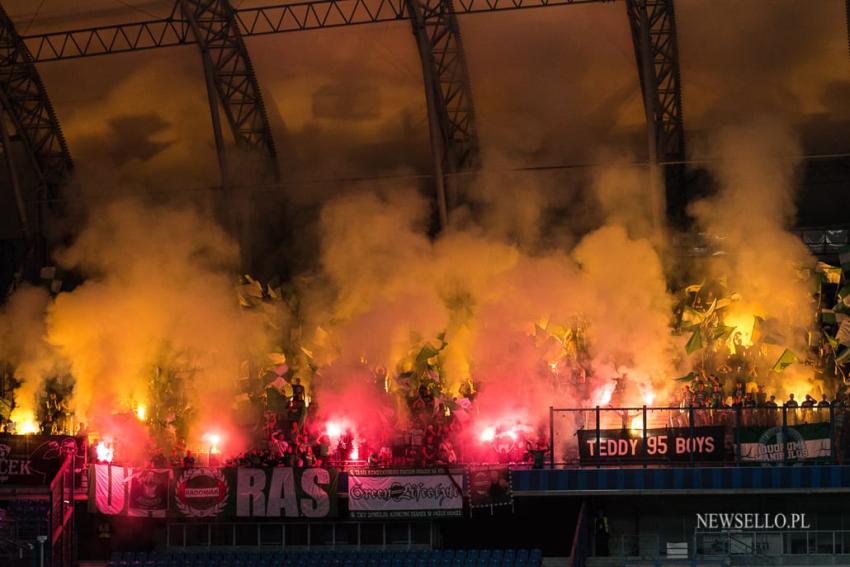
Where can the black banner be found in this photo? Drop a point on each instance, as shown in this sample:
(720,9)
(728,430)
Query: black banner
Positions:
(209,492)
(34,460)
(148,496)
(662,445)
(490,486)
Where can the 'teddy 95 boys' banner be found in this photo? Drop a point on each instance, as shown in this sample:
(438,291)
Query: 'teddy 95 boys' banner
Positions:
(280,492)
(662,445)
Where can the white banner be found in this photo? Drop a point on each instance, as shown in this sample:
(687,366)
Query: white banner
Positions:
(110,488)
(405,495)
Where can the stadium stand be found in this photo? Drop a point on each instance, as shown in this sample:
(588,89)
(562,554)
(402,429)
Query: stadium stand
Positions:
(432,558)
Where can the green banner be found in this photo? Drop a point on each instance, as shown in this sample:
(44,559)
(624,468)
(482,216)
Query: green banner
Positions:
(798,443)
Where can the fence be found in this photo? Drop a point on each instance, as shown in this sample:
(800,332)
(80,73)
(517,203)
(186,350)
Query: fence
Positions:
(772,543)
(62,515)
(753,544)
(643,436)
(38,523)
(581,538)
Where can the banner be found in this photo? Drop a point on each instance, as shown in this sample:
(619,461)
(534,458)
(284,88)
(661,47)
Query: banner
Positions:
(674,444)
(805,442)
(420,493)
(284,492)
(35,459)
(149,493)
(280,492)
(490,487)
(202,492)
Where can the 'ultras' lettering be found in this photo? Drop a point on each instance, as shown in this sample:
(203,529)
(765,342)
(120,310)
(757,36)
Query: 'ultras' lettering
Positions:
(318,504)
(281,495)
(250,484)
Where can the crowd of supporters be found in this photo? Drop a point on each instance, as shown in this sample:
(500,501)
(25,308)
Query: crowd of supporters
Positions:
(705,397)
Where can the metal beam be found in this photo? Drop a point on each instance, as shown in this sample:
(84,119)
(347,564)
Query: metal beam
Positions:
(14,179)
(448,95)
(24,100)
(264,20)
(653,25)
(231,81)
(213,25)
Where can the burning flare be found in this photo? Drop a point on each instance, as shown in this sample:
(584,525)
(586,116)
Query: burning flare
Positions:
(214,441)
(24,419)
(105,451)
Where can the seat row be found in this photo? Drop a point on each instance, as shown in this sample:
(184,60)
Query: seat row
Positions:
(429,558)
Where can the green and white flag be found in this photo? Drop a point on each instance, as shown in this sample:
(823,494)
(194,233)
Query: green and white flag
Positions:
(806,442)
(691,318)
(785,360)
(830,274)
(695,342)
(772,333)
(723,332)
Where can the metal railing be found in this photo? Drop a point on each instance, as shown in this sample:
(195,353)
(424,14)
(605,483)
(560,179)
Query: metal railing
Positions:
(772,543)
(674,435)
(635,545)
(579,549)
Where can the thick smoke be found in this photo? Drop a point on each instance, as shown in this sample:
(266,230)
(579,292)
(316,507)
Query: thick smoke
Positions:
(158,294)
(393,290)
(749,217)
(24,348)
(159,286)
